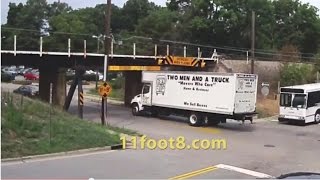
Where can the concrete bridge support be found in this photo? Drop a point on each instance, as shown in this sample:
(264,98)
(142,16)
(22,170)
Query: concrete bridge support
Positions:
(45,83)
(133,85)
(52,85)
(59,87)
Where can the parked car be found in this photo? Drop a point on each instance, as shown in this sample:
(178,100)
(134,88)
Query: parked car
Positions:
(90,72)
(26,70)
(31,75)
(70,72)
(27,90)
(100,76)
(10,70)
(7,77)
(20,71)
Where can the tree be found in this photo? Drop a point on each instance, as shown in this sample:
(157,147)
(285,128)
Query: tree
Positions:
(133,10)
(57,8)
(221,23)
(296,24)
(158,24)
(33,16)
(294,74)
(13,13)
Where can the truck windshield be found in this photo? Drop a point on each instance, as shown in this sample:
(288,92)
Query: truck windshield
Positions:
(146,89)
(285,100)
(294,100)
(299,101)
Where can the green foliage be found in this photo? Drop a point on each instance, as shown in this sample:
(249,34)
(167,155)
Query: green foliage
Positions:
(220,23)
(158,24)
(37,128)
(294,74)
(118,83)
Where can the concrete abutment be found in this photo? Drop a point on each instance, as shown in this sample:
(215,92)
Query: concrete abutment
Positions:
(52,85)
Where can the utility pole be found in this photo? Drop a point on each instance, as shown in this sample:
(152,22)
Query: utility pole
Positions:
(107,47)
(253,23)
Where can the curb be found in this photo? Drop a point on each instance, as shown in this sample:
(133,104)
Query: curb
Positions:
(266,118)
(75,152)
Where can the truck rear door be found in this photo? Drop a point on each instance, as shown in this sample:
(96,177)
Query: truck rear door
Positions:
(246,91)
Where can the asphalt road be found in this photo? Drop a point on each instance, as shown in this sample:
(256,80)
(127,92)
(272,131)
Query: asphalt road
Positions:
(253,150)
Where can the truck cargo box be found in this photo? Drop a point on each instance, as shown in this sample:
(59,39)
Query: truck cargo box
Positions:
(232,94)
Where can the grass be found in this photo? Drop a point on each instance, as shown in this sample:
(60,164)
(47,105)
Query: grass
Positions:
(267,107)
(31,127)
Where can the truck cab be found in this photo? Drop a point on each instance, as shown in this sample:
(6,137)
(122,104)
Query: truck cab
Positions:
(143,100)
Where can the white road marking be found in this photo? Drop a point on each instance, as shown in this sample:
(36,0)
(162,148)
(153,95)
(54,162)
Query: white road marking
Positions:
(244,171)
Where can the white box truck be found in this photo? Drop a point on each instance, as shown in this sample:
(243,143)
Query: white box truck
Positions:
(203,97)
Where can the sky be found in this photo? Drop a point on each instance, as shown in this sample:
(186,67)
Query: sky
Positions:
(75,4)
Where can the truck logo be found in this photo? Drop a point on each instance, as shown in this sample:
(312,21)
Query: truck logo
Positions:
(241,83)
(161,85)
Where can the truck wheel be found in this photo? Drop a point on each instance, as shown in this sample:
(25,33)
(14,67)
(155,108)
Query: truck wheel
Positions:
(194,119)
(317,117)
(135,109)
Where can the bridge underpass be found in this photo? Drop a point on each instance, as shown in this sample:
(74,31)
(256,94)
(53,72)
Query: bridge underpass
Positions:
(53,68)
(53,65)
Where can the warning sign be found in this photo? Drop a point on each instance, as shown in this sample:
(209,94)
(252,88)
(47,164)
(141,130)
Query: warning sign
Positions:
(105,89)
(182,61)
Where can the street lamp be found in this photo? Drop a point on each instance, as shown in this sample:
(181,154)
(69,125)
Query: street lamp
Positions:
(99,39)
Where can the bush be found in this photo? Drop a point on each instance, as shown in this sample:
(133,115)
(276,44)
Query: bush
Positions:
(118,83)
(293,74)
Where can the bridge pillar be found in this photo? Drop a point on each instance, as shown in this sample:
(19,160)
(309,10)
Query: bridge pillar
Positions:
(59,87)
(133,85)
(45,83)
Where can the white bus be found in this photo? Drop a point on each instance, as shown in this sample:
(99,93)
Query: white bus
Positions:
(300,103)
